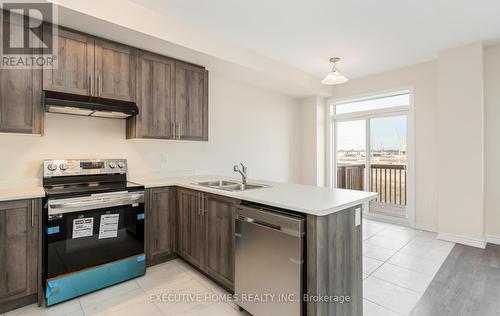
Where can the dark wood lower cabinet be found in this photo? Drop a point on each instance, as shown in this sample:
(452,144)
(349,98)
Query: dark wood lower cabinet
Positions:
(219,245)
(160,228)
(206,234)
(192,225)
(20,255)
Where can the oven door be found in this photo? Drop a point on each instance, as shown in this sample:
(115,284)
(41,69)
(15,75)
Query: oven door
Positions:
(87,231)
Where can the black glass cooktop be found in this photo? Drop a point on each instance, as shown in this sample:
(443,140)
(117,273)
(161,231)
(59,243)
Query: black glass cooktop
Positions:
(67,189)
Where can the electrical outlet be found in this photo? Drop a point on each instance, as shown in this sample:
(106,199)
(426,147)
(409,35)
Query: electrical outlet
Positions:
(357,216)
(163,158)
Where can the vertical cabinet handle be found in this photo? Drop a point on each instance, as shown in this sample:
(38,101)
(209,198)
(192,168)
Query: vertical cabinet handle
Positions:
(99,86)
(203,204)
(32,214)
(91,84)
(172,129)
(205,201)
(176,130)
(199,203)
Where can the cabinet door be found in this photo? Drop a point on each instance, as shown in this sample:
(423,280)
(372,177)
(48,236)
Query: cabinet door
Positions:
(20,98)
(159,224)
(191,227)
(155,98)
(19,244)
(75,65)
(191,101)
(115,71)
(219,262)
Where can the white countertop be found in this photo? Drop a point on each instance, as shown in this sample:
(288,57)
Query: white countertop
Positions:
(296,197)
(22,193)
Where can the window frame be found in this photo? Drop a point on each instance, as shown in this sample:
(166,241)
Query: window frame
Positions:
(331,117)
(333,103)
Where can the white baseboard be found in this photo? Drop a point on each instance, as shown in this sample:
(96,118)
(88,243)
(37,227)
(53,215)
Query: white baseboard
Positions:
(427,227)
(492,239)
(386,219)
(464,240)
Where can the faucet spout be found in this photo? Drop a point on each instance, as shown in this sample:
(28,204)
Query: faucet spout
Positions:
(242,172)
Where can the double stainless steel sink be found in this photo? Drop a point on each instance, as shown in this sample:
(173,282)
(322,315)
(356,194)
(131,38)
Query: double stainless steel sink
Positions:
(230,185)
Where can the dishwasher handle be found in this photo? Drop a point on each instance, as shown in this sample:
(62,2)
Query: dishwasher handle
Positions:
(277,222)
(258,222)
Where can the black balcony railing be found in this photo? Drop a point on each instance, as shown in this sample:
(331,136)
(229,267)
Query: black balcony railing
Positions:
(386,179)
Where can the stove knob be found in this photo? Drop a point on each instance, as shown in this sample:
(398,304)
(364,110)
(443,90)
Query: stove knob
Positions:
(121,164)
(52,166)
(112,165)
(63,166)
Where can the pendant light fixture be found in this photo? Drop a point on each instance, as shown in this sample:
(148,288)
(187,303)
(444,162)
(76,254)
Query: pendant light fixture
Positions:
(335,76)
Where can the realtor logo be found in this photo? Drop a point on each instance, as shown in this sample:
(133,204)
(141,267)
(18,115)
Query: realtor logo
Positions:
(29,35)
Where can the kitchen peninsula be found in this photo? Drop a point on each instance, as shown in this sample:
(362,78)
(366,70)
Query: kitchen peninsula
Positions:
(333,241)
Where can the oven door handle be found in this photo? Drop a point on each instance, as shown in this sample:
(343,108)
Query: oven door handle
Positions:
(68,207)
(76,204)
(131,198)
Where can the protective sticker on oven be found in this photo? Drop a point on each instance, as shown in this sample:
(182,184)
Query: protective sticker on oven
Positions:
(109,226)
(83,227)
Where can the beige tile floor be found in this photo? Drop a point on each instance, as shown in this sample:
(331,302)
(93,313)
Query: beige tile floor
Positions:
(398,265)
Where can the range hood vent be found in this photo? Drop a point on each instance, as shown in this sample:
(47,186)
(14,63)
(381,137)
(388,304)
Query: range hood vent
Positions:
(66,103)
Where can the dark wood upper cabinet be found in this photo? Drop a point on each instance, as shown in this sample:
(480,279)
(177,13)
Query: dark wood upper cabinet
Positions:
(219,262)
(155,98)
(172,96)
(20,98)
(115,71)
(191,227)
(75,65)
(191,101)
(20,235)
(94,67)
(20,101)
(160,228)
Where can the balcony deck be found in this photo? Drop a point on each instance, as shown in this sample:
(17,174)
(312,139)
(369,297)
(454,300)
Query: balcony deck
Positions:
(388,180)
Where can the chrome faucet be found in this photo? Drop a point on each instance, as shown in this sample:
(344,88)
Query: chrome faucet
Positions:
(242,171)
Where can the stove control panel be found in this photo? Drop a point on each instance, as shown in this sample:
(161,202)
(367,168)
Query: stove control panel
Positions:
(81,167)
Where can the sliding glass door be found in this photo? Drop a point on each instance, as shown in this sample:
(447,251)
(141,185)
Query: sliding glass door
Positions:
(371,152)
(388,165)
(351,154)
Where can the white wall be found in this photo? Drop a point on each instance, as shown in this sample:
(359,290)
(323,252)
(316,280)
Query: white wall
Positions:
(422,78)
(492,141)
(246,124)
(312,138)
(456,139)
(460,144)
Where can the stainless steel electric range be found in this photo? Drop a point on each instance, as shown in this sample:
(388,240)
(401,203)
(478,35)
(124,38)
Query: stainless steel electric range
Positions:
(93,227)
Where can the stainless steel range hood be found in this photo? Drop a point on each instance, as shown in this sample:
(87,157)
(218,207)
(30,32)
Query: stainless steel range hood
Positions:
(65,103)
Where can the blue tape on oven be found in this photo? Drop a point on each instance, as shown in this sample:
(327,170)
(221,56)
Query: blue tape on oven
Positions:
(140,216)
(141,258)
(53,230)
(69,286)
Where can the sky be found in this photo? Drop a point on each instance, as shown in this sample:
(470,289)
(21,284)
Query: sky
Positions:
(386,133)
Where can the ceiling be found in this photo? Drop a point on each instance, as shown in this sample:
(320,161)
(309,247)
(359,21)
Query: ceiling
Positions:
(371,36)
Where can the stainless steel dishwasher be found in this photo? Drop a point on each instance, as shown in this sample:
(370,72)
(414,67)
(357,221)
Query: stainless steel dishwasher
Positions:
(269,261)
